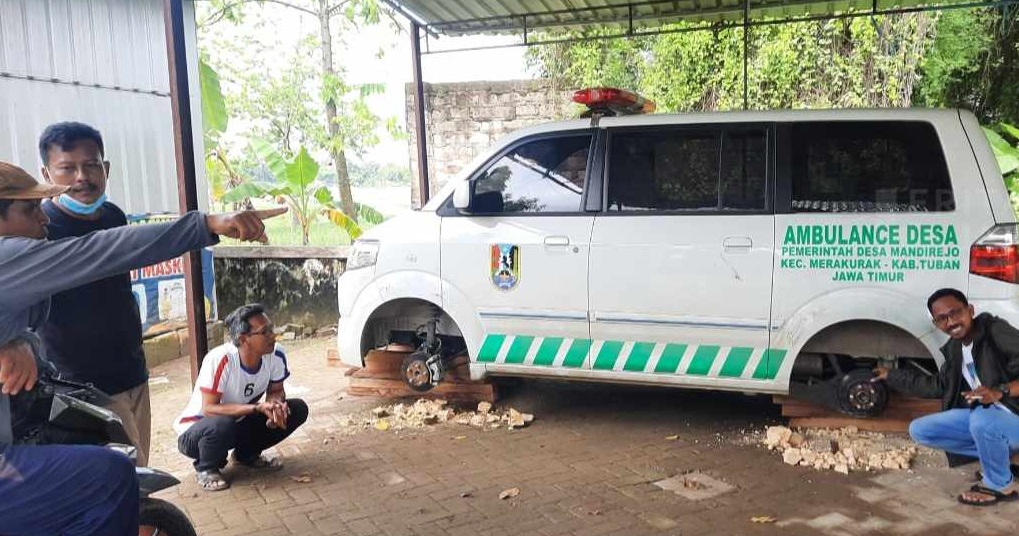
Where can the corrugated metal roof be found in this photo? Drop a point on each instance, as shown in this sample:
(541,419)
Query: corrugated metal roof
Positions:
(102,62)
(463,17)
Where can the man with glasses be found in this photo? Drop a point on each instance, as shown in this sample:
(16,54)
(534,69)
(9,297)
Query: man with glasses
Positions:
(978,386)
(105,350)
(227,409)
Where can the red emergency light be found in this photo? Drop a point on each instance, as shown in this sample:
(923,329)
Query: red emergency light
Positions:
(612,101)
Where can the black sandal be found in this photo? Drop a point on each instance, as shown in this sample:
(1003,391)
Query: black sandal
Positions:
(995,496)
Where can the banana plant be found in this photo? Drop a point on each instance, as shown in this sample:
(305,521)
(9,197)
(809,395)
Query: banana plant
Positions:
(1004,139)
(296,185)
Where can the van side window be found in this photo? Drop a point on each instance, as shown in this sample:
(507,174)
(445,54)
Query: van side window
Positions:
(868,166)
(688,170)
(546,175)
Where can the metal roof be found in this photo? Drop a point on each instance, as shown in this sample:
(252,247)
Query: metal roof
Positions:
(465,17)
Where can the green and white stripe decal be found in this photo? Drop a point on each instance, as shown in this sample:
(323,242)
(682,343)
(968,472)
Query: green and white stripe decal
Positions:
(626,356)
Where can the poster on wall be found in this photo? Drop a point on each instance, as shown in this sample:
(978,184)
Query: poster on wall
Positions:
(159,288)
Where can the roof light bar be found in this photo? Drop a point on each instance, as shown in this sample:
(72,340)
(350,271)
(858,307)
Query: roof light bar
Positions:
(613,101)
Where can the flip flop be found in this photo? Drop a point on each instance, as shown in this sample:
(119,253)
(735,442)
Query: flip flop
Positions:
(212,480)
(261,462)
(995,496)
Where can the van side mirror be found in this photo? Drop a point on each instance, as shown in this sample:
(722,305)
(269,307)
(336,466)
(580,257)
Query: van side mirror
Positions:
(462,195)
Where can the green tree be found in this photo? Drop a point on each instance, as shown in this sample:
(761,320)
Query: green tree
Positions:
(832,63)
(974,64)
(349,124)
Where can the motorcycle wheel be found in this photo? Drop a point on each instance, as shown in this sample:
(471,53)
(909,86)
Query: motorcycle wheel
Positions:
(160,518)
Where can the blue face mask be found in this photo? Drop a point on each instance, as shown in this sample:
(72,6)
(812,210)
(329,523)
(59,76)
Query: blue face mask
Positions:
(78,207)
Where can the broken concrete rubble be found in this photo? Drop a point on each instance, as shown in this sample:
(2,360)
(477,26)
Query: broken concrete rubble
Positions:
(843,450)
(426,412)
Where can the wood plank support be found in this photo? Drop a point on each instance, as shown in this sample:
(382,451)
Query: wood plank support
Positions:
(381,378)
(900,412)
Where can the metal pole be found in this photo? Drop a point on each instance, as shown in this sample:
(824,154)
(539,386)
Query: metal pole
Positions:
(419,113)
(187,187)
(746,52)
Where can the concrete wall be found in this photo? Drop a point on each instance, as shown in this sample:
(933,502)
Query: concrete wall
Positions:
(297,284)
(463,120)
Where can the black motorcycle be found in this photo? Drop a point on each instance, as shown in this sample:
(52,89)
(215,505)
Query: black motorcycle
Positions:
(67,413)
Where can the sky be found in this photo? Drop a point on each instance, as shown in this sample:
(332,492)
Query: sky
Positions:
(395,70)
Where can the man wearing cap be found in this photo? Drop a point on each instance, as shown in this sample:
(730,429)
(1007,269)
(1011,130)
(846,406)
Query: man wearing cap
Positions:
(72,489)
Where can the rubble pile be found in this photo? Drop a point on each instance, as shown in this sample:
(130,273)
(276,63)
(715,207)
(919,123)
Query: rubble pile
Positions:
(842,450)
(425,412)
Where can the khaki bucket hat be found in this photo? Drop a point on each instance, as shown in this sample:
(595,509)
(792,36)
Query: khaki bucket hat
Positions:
(16,183)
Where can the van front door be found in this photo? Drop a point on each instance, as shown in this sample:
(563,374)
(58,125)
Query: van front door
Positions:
(681,259)
(520,254)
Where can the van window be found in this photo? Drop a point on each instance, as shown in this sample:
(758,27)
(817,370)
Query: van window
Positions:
(546,175)
(868,166)
(669,170)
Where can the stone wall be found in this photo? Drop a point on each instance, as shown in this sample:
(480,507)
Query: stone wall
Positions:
(296,284)
(174,343)
(463,120)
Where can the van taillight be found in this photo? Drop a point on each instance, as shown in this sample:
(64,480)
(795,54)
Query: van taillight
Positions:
(996,254)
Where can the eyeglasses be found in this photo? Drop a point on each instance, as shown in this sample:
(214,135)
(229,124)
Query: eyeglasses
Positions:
(268,329)
(945,318)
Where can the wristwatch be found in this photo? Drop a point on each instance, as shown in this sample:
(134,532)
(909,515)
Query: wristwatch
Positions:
(1006,391)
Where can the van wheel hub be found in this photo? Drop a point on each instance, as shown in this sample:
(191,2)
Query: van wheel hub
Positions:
(417,373)
(859,396)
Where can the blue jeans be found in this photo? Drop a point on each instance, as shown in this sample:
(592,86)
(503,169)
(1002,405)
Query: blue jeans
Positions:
(989,434)
(69,490)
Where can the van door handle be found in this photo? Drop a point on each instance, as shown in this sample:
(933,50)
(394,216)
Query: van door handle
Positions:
(737,243)
(557,240)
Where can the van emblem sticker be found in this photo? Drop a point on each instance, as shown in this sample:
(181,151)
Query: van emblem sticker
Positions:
(505,266)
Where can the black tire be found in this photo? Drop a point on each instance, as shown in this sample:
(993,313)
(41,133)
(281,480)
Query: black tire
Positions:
(167,518)
(415,372)
(859,396)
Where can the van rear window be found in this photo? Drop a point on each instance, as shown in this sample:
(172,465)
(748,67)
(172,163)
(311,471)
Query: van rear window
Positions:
(868,166)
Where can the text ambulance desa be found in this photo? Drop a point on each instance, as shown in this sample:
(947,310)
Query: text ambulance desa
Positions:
(770,252)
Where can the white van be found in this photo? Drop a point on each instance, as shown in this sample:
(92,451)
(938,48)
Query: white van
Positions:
(770,252)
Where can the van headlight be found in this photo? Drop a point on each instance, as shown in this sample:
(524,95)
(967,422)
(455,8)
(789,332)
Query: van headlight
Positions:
(364,253)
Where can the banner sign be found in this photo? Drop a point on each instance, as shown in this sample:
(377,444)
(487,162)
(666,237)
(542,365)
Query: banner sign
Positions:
(159,288)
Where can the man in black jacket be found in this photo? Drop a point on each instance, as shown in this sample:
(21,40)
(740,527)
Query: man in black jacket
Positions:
(978,386)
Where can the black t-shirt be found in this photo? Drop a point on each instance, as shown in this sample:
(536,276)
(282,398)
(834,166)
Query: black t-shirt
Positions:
(94,332)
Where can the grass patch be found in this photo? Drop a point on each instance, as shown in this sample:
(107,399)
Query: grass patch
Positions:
(285,231)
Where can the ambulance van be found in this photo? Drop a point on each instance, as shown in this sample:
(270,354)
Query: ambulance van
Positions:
(765,252)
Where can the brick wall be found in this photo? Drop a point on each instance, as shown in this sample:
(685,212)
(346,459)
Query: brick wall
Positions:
(465,119)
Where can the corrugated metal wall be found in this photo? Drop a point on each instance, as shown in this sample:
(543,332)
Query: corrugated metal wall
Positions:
(102,62)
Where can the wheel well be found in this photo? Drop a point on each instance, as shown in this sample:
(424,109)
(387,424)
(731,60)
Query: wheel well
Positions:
(866,338)
(406,315)
(856,343)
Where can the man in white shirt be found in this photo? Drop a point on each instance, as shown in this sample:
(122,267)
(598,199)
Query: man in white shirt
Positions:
(978,384)
(227,410)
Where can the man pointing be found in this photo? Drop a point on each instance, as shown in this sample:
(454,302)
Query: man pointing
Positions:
(73,489)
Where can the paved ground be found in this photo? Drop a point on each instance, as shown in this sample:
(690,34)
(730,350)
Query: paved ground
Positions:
(585,466)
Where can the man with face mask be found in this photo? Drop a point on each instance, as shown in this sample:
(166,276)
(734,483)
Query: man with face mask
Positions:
(104,350)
